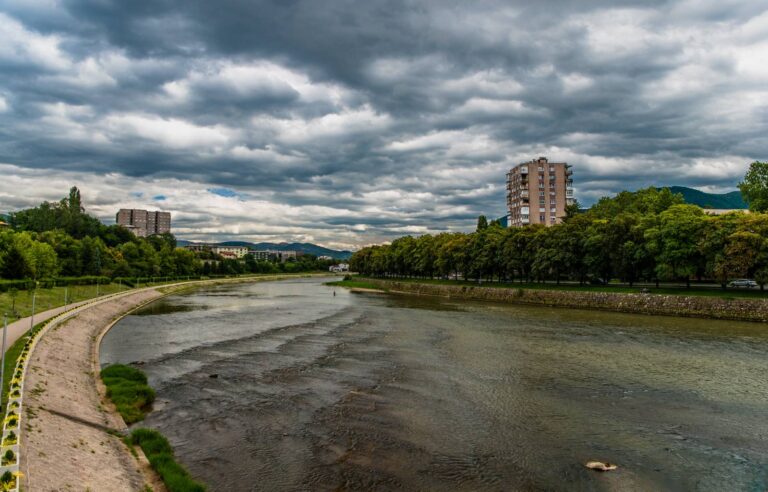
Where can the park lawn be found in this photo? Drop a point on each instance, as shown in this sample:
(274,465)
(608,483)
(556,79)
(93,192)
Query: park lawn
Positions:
(680,291)
(51,298)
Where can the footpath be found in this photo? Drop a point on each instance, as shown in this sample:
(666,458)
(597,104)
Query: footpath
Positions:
(19,327)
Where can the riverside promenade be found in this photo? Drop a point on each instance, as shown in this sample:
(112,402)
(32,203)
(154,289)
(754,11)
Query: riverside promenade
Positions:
(19,327)
(68,439)
(70,433)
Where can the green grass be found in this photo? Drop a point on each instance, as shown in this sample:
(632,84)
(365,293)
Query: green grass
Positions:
(127,388)
(11,356)
(50,298)
(355,284)
(160,455)
(667,290)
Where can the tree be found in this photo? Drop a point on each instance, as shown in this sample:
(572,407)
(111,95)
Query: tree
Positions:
(675,242)
(754,188)
(572,210)
(482,223)
(15,265)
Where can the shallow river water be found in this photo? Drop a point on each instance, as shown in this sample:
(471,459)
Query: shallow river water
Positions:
(284,386)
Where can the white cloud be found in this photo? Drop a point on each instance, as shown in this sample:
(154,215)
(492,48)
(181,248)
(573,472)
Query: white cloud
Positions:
(170,132)
(22,46)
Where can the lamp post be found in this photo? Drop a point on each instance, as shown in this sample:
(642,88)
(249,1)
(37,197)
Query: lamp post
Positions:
(32,318)
(2,366)
(66,295)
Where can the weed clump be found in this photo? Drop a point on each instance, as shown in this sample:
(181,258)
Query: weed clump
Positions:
(160,455)
(127,388)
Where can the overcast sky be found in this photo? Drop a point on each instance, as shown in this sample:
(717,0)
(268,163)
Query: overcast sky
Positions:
(348,122)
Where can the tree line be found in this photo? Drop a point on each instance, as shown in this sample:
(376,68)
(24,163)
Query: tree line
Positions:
(61,240)
(649,235)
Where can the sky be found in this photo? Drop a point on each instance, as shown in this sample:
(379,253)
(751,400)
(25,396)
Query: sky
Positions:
(347,123)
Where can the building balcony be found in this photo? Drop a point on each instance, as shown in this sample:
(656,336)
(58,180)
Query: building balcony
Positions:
(524,170)
(524,194)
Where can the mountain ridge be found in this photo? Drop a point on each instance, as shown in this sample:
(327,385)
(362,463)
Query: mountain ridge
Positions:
(730,200)
(307,248)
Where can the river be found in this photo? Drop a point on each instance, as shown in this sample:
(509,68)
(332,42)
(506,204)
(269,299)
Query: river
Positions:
(284,386)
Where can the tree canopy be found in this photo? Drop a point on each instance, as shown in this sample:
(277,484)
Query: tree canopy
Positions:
(754,188)
(647,235)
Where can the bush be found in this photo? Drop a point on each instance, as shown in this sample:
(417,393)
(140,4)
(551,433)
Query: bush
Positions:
(127,388)
(7,477)
(160,455)
(9,457)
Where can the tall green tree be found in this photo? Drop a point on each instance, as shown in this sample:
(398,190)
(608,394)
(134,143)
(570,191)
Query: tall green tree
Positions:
(754,188)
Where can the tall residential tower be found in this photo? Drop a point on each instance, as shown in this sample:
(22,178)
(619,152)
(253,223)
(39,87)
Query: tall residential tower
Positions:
(538,192)
(143,223)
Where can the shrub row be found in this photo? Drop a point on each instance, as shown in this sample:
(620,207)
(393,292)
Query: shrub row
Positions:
(47,283)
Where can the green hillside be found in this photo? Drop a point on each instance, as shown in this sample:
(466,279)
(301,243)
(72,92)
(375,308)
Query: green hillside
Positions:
(710,200)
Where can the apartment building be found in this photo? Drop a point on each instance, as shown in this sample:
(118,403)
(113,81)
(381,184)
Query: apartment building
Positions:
(230,251)
(538,192)
(143,223)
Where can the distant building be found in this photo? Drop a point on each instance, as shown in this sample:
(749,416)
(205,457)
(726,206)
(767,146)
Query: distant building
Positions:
(274,254)
(143,223)
(538,192)
(198,247)
(341,267)
(325,258)
(4,224)
(723,211)
(263,255)
(230,251)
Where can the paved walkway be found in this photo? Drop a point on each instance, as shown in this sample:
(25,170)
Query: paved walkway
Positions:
(19,327)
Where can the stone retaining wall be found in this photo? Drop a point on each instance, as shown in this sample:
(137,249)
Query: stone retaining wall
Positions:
(658,304)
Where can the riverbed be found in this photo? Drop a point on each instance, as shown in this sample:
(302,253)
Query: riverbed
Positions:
(286,386)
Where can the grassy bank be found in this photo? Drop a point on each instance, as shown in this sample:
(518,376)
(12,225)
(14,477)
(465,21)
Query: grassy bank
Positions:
(159,452)
(355,283)
(19,304)
(128,389)
(11,357)
(364,282)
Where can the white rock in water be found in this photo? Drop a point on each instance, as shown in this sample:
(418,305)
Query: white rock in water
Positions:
(600,466)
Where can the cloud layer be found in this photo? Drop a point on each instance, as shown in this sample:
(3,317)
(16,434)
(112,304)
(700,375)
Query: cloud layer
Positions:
(348,122)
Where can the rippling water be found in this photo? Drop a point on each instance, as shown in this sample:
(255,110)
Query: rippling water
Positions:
(283,386)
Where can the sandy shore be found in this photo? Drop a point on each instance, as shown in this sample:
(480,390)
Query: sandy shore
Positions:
(65,439)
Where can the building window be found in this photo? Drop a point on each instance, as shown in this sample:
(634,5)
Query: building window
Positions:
(541,218)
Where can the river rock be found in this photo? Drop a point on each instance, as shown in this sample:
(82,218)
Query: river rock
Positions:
(600,466)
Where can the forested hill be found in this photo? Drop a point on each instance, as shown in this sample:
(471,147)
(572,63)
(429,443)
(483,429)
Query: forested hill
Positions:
(710,200)
(306,248)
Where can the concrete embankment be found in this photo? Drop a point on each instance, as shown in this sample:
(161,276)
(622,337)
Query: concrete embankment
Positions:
(657,304)
(66,444)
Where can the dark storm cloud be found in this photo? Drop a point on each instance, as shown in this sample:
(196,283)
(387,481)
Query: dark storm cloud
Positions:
(359,121)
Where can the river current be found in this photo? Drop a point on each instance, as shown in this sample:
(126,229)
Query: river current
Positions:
(284,386)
